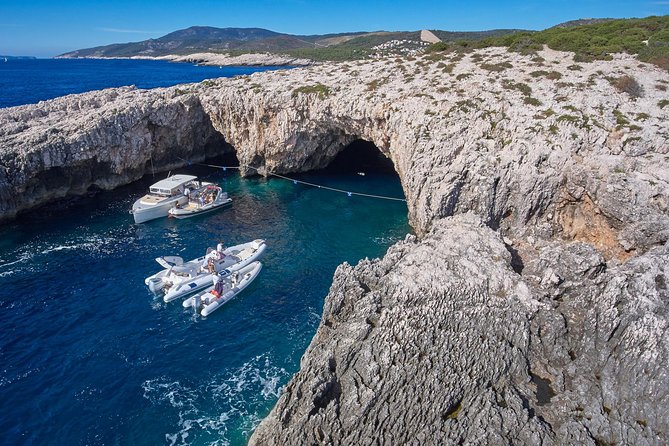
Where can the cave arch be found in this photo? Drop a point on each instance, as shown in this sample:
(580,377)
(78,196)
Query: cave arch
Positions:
(361,156)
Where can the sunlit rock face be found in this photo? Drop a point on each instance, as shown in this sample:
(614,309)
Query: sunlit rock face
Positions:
(531,306)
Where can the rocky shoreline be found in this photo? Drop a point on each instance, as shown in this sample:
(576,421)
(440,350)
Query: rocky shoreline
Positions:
(531,308)
(217,59)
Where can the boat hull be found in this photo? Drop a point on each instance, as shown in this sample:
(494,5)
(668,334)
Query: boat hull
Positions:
(207,303)
(143,213)
(236,257)
(188,213)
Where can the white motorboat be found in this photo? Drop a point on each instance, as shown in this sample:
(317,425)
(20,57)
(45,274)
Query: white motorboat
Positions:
(180,278)
(201,201)
(163,196)
(225,289)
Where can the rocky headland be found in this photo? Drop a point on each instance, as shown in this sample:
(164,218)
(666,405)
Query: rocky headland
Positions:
(532,304)
(217,59)
(248,59)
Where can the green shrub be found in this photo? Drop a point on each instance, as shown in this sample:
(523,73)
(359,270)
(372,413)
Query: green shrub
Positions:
(545,114)
(552,75)
(321,90)
(497,67)
(597,40)
(529,100)
(663,103)
(568,118)
(621,119)
(523,88)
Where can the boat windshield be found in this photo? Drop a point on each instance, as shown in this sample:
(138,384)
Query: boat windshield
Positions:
(160,191)
(204,195)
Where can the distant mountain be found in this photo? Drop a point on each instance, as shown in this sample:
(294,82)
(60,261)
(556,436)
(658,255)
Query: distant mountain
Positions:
(209,39)
(205,38)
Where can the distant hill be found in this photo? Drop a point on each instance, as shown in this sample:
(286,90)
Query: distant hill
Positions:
(198,39)
(581,22)
(453,36)
(588,39)
(209,39)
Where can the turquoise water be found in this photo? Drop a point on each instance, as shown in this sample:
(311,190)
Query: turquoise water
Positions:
(89,356)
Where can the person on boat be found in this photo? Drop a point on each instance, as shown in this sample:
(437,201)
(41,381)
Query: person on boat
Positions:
(211,266)
(187,192)
(235,277)
(220,248)
(218,286)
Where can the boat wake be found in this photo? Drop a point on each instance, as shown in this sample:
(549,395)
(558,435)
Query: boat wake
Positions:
(37,252)
(228,406)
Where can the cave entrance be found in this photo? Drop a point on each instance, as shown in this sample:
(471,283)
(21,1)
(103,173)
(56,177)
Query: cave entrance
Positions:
(361,156)
(228,158)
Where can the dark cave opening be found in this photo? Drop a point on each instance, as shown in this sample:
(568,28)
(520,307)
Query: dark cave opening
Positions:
(361,156)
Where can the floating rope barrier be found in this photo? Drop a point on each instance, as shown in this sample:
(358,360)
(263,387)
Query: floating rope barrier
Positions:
(305,183)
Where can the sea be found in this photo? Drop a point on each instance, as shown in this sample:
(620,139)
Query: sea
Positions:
(28,81)
(89,356)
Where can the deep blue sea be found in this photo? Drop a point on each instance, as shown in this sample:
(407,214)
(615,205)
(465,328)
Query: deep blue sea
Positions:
(30,81)
(89,356)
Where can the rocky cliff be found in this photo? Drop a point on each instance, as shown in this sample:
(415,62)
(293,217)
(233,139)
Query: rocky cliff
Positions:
(531,307)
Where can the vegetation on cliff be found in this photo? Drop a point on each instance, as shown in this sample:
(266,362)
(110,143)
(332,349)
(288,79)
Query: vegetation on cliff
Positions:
(648,38)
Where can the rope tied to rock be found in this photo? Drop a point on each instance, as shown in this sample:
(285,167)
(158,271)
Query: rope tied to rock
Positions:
(305,183)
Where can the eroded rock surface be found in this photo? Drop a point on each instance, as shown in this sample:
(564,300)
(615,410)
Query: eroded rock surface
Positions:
(537,314)
(441,342)
(99,140)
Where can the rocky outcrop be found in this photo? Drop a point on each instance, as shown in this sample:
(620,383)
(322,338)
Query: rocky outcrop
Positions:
(442,342)
(216,59)
(249,59)
(97,140)
(532,304)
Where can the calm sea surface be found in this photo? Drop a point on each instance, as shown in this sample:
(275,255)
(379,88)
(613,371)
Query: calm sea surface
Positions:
(89,356)
(31,81)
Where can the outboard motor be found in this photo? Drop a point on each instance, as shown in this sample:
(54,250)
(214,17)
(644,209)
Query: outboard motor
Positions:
(196,303)
(155,284)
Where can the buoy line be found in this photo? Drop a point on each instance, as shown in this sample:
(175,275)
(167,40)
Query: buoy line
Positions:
(305,183)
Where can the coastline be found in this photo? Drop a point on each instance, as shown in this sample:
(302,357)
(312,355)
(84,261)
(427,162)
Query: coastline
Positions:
(541,222)
(214,59)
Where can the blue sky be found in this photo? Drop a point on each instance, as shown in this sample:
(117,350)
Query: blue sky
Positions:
(46,28)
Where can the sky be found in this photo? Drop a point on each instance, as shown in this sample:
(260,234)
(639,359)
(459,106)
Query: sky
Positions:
(47,28)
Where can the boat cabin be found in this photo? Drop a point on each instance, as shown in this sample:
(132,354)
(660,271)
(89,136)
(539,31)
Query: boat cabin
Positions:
(173,185)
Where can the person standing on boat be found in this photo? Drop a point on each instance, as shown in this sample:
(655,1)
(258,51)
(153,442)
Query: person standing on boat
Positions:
(216,292)
(187,192)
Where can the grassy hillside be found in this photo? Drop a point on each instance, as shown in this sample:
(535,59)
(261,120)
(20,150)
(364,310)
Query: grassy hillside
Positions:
(648,38)
(454,36)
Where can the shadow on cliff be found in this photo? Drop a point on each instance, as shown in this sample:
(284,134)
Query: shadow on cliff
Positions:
(360,157)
